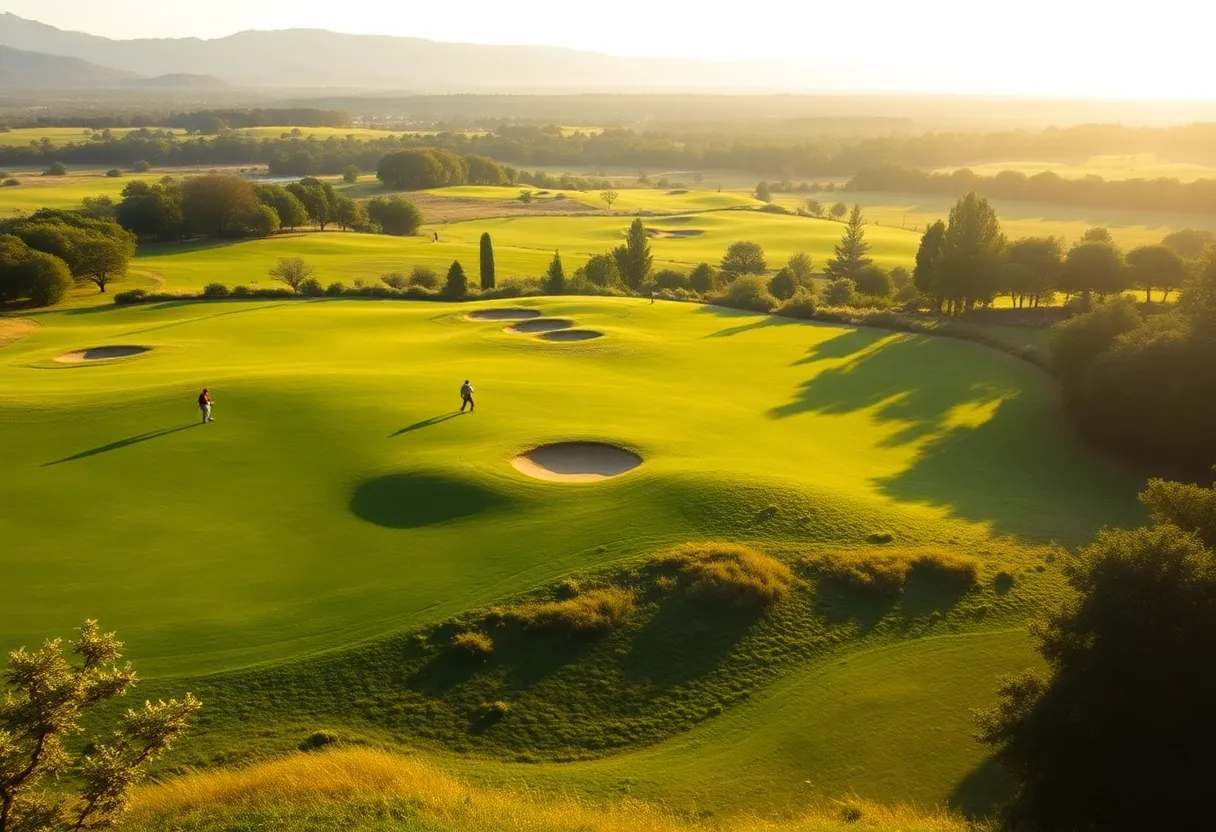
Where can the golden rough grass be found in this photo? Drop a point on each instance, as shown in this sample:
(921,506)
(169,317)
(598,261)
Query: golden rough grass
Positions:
(14,329)
(597,610)
(727,572)
(887,571)
(475,643)
(341,779)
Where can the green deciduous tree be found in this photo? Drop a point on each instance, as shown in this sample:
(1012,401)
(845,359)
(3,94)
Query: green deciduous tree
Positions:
(609,197)
(1117,734)
(350,174)
(349,214)
(815,208)
(851,254)
(784,284)
(802,266)
(839,210)
(1156,267)
(215,203)
(633,259)
(1094,267)
(484,171)
(29,274)
(293,271)
(152,210)
(317,197)
(1097,234)
(875,282)
(703,278)
(487,262)
(601,270)
(287,205)
(1040,261)
(395,215)
(764,192)
(742,258)
(972,251)
(1190,243)
(840,291)
(46,698)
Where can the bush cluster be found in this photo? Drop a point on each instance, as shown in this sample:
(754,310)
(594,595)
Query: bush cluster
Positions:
(472,642)
(727,573)
(886,572)
(590,612)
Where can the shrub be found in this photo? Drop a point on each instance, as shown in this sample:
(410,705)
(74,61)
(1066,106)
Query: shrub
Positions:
(493,710)
(784,284)
(318,739)
(473,643)
(335,289)
(215,290)
(113,173)
(886,572)
(749,292)
(56,169)
(670,279)
(312,288)
(596,611)
(142,166)
(840,292)
(131,296)
(396,280)
(703,279)
(802,306)
(10,182)
(240,291)
(425,277)
(729,573)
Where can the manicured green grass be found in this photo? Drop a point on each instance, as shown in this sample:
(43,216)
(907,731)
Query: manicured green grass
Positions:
(1132,166)
(670,201)
(37,191)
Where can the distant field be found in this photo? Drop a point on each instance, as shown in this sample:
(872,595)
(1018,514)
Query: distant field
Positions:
(60,135)
(1134,166)
(37,191)
(628,199)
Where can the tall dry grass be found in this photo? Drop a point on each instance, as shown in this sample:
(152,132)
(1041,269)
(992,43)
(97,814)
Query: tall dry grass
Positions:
(592,611)
(886,572)
(358,788)
(729,573)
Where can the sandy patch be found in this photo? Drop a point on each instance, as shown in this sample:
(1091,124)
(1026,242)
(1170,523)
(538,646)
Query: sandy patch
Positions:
(100,354)
(502,314)
(576,462)
(571,335)
(14,329)
(539,325)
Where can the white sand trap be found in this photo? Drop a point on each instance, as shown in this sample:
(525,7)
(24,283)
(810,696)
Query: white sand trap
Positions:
(571,335)
(100,354)
(503,314)
(576,462)
(540,325)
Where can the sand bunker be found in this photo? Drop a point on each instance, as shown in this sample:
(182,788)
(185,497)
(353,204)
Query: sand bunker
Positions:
(571,335)
(100,354)
(676,233)
(503,314)
(576,462)
(540,325)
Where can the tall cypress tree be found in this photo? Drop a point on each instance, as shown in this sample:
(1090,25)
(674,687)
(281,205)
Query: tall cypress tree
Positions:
(852,249)
(925,276)
(487,262)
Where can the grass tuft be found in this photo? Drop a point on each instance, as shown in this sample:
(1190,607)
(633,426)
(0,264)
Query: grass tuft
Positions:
(594,611)
(887,572)
(473,643)
(729,573)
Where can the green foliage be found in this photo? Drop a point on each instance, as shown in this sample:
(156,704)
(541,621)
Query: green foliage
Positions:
(1156,267)
(875,282)
(152,211)
(350,215)
(886,572)
(312,288)
(801,265)
(46,698)
(971,254)
(743,258)
(1040,263)
(784,284)
(840,292)
(216,203)
(96,251)
(473,642)
(1088,751)
(413,170)
(141,166)
(395,280)
(633,259)
(802,306)
(292,271)
(215,290)
(395,215)
(852,252)
(703,278)
(56,169)
(670,279)
(28,274)
(730,574)
(1080,340)
(554,282)
(1095,267)
(601,270)
(609,197)
(425,277)
(487,261)
(318,199)
(457,284)
(350,174)
(261,221)
(595,611)
(764,192)
(486,171)
(1097,234)
(926,275)
(839,209)
(748,292)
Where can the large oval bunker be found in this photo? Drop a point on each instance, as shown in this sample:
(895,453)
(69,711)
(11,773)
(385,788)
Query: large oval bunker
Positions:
(576,462)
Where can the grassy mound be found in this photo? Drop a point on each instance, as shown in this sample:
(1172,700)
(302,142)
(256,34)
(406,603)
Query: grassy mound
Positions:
(362,790)
(725,573)
(887,572)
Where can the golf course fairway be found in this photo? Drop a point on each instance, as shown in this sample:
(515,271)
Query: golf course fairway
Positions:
(340,501)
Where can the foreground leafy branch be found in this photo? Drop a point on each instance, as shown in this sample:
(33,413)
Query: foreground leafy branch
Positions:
(45,698)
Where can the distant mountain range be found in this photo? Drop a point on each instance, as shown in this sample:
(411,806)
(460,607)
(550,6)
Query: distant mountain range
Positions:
(24,70)
(309,58)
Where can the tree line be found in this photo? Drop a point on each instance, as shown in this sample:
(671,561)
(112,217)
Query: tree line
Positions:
(781,157)
(967,261)
(1198,197)
(44,254)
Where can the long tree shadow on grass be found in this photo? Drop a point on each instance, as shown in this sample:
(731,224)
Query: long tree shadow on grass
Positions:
(848,343)
(201,318)
(991,443)
(982,790)
(123,443)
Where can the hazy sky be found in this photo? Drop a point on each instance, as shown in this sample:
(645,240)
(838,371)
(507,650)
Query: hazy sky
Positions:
(1114,48)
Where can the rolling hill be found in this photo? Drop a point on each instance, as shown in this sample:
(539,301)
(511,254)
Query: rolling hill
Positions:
(20,69)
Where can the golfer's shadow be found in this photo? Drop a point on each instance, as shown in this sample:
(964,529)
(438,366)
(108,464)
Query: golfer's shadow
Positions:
(122,443)
(426,423)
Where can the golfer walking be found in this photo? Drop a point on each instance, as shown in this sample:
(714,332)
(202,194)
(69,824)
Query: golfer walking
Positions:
(204,405)
(466,396)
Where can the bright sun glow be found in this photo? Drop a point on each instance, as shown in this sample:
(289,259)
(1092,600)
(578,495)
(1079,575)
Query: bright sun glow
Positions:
(1034,47)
